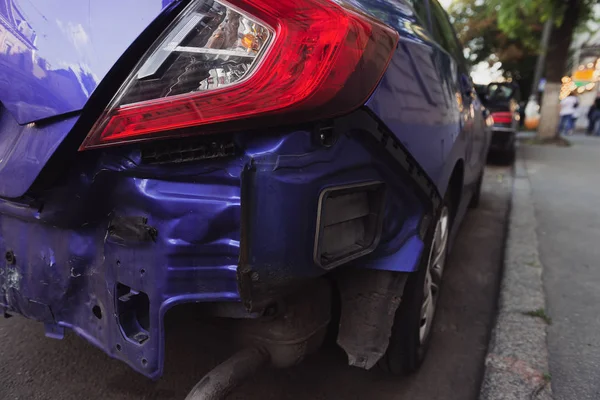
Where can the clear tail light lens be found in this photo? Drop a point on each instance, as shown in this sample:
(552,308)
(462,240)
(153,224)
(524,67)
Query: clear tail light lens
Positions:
(260,61)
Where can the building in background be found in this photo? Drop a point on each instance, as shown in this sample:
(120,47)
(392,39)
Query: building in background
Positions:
(585,69)
(16,35)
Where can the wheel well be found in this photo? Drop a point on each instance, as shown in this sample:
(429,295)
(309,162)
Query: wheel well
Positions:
(454,190)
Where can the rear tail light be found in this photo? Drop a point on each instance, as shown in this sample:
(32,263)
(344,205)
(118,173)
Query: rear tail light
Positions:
(262,61)
(502,117)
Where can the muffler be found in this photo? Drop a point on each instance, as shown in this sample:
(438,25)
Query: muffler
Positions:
(292,329)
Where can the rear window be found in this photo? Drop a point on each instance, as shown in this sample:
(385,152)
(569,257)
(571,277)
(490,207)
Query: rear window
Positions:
(444,34)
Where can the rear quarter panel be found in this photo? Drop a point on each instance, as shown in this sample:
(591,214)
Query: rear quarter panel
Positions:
(420,100)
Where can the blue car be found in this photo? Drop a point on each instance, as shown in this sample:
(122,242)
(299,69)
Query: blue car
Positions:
(286,166)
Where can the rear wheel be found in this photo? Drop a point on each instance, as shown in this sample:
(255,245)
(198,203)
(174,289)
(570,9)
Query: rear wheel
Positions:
(411,332)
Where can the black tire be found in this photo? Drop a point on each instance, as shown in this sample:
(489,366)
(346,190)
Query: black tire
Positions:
(474,202)
(406,352)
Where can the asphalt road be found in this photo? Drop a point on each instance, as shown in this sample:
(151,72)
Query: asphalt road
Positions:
(566,191)
(34,367)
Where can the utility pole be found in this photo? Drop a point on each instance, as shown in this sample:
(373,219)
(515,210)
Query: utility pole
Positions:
(532,109)
(539,66)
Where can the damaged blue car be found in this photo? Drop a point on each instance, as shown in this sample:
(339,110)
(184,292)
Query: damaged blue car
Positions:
(287,165)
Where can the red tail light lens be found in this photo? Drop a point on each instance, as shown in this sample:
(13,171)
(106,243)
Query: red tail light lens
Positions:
(257,60)
(502,117)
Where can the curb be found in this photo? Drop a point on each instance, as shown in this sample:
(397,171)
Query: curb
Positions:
(516,366)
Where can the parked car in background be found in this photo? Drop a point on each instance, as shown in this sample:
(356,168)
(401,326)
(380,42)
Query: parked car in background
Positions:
(256,158)
(502,99)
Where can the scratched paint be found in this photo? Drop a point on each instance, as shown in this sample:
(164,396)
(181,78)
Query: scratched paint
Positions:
(12,278)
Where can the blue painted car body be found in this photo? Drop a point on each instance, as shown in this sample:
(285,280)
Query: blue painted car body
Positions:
(192,230)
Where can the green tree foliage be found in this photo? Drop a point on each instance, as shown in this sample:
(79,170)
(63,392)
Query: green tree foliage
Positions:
(515,16)
(521,19)
(510,30)
(477,23)
(512,14)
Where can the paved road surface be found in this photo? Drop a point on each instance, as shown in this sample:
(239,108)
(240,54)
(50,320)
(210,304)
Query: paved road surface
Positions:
(566,191)
(34,367)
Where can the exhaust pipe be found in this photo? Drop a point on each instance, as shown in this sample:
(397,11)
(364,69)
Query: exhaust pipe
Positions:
(281,340)
(220,382)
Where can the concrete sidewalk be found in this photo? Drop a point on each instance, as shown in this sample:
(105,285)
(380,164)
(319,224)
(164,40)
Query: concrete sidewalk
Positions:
(565,186)
(516,366)
(546,342)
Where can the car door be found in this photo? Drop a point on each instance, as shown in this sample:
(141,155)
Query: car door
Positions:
(469,106)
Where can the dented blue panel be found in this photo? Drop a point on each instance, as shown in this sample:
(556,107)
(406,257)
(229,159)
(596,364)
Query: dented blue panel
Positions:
(59,274)
(119,242)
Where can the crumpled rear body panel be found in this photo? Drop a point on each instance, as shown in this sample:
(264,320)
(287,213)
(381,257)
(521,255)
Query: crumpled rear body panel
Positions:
(186,251)
(119,234)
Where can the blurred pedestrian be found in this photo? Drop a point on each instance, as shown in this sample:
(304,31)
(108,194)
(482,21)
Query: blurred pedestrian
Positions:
(594,118)
(568,109)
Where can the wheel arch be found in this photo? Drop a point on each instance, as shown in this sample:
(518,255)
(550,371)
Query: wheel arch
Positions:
(454,189)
